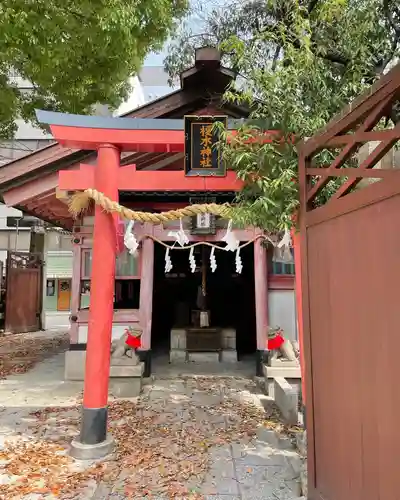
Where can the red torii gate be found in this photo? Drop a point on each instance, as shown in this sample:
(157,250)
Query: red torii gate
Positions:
(111,136)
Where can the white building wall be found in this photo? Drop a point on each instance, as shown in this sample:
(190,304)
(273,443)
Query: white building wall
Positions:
(282,311)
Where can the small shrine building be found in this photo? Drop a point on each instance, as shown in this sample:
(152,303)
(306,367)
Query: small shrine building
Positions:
(152,179)
(194,304)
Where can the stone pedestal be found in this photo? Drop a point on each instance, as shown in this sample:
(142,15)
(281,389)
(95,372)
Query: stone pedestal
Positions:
(283,369)
(228,356)
(203,357)
(125,376)
(179,354)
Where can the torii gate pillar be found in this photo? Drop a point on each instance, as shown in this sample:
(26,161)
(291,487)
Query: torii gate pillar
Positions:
(93,441)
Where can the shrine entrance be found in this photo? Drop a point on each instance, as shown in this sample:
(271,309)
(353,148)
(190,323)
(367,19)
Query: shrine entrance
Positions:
(229,299)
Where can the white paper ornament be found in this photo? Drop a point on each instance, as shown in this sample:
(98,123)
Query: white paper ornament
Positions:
(286,240)
(192,260)
(181,237)
(284,246)
(230,239)
(130,240)
(238,262)
(168,261)
(213,262)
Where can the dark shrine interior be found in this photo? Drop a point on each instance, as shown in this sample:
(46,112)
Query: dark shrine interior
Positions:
(230,296)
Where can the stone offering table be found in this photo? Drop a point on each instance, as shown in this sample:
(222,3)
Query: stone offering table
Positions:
(180,351)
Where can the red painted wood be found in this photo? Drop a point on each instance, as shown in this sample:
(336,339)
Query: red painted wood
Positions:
(146,287)
(261,293)
(120,316)
(75,292)
(34,188)
(102,284)
(162,234)
(141,141)
(151,141)
(299,308)
(162,207)
(130,179)
(281,282)
(241,234)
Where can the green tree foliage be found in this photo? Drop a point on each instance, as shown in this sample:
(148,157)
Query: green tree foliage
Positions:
(300,62)
(76,53)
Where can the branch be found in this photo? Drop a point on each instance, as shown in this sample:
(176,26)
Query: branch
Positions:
(312,5)
(329,56)
(384,61)
(390,18)
(276,55)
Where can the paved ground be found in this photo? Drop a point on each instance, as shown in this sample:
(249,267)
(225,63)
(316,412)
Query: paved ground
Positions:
(185,437)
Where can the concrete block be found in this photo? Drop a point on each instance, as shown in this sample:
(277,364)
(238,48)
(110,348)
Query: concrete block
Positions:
(204,357)
(177,356)
(74,365)
(231,343)
(286,398)
(282,371)
(228,343)
(123,387)
(270,385)
(266,380)
(229,356)
(122,369)
(228,338)
(178,338)
(228,332)
(301,443)
(81,451)
(278,363)
(126,370)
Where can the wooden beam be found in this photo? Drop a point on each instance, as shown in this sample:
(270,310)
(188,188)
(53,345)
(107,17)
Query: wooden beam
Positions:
(159,206)
(146,287)
(385,89)
(355,173)
(163,163)
(261,298)
(376,155)
(30,190)
(152,141)
(139,139)
(62,195)
(131,179)
(370,122)
(241,234)
(362,137)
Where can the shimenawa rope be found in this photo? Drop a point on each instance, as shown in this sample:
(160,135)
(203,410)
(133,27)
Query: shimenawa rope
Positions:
(80,202)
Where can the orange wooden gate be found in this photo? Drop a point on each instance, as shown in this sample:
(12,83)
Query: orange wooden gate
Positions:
(23,292)
(350,268)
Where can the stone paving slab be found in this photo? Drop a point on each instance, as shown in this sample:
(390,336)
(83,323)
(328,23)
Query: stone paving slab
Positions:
(205,412)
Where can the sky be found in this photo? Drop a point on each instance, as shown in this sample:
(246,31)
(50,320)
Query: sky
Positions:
(195,22)
(155,59)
